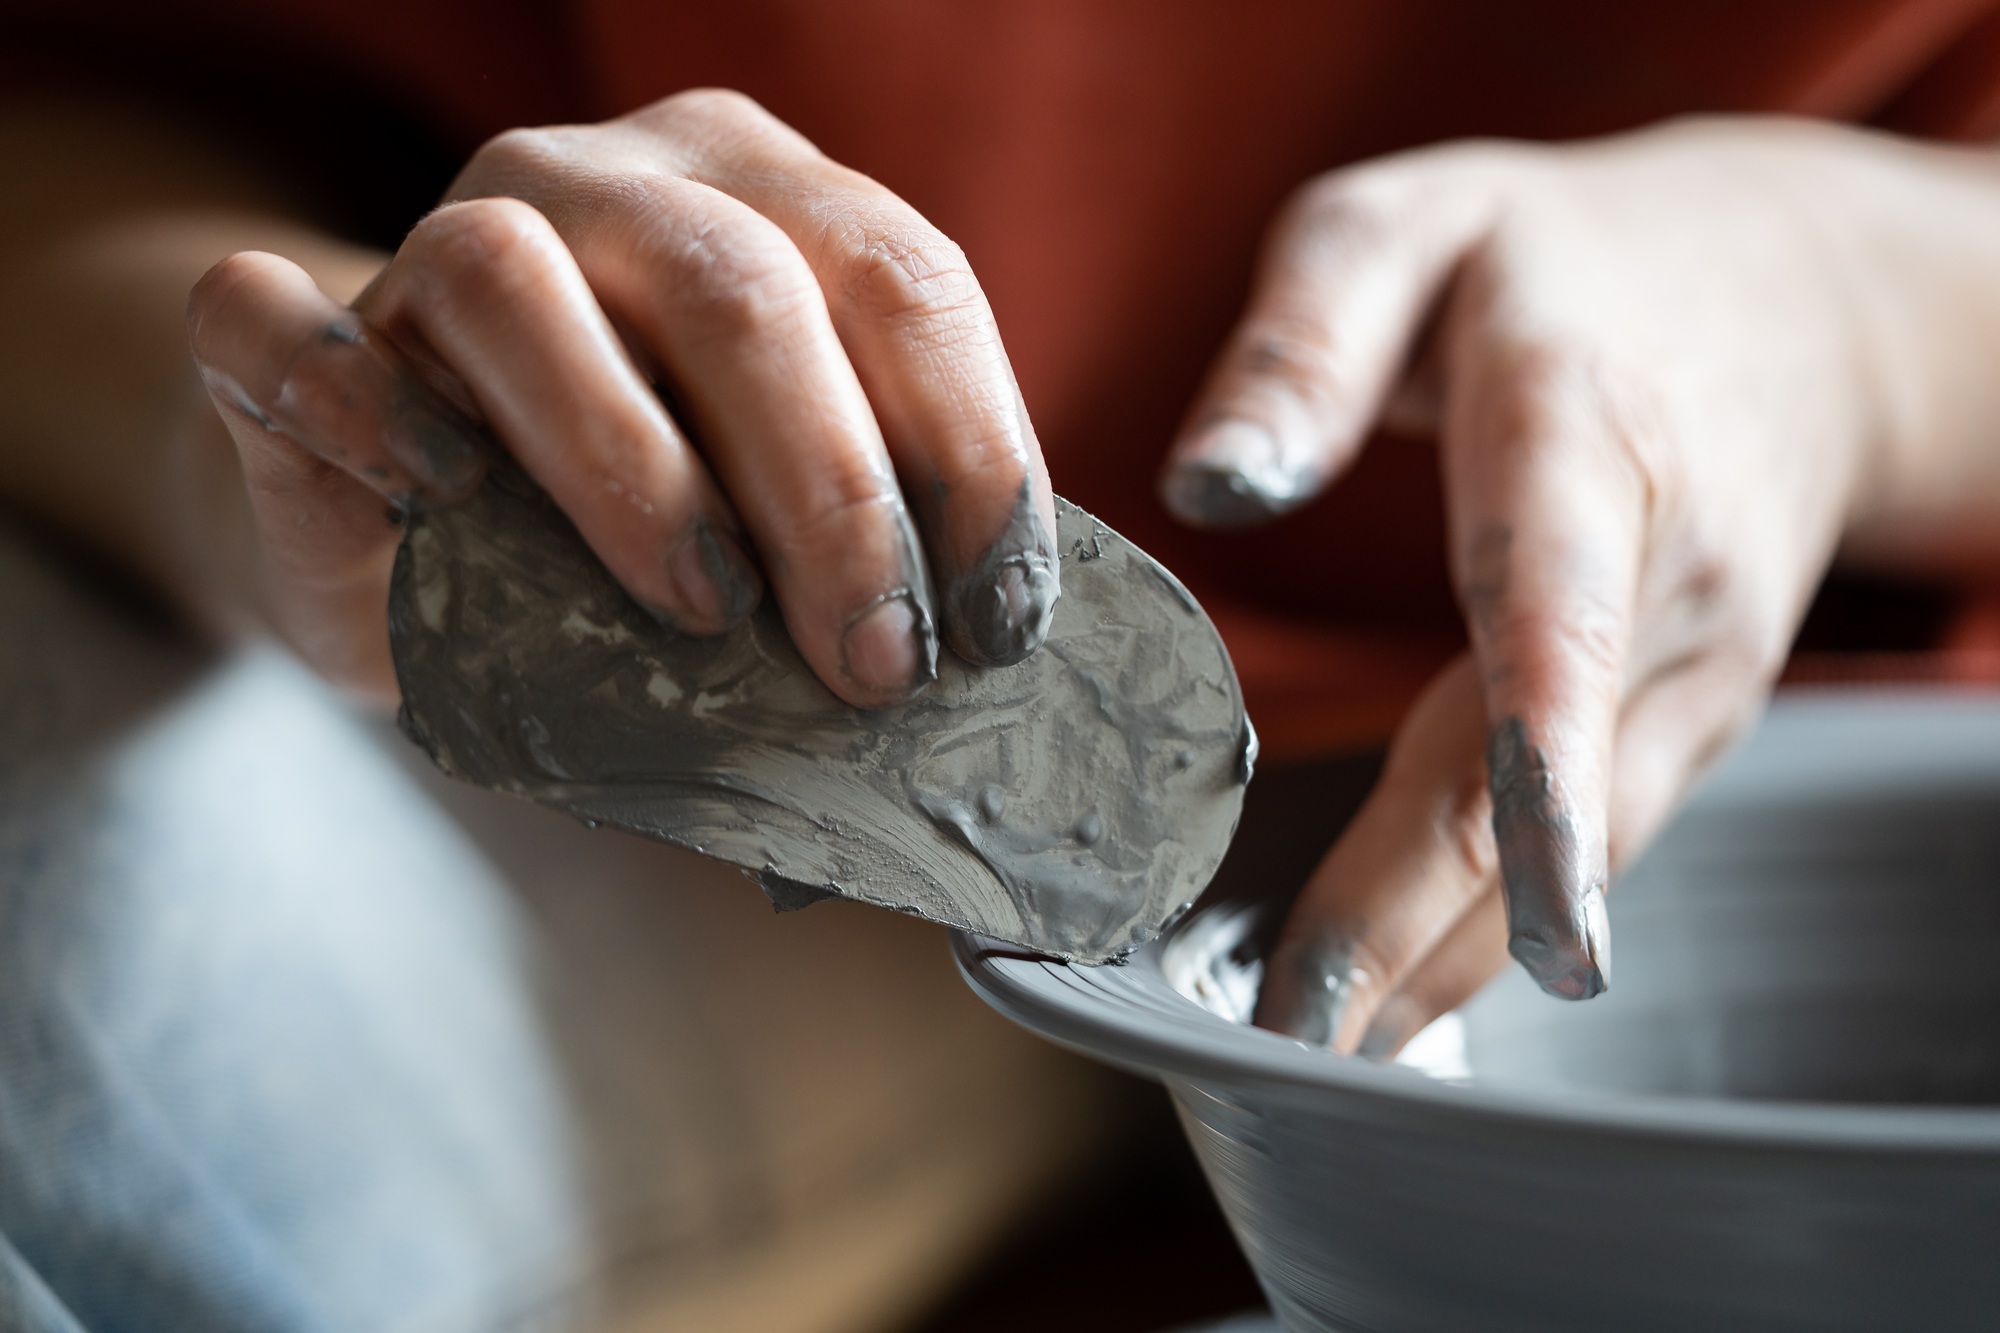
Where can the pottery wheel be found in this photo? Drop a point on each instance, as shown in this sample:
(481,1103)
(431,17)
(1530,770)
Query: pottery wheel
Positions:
(1071,805)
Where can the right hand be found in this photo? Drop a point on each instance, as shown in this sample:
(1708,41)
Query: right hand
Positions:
(818,337)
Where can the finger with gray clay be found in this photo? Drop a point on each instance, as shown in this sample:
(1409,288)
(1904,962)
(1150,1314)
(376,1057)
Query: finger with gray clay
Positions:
(330,421)
(1351,266)
(726,308)
(1544,532)
(1675,725)
(1546,516)
(1415,859)
(490,294)
(275,351)
(838,363)
(1071,804)
(922,339)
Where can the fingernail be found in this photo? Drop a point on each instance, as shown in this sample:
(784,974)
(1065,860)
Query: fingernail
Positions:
(718,584)
(1557,927)
(1235,475)
(889,648)
(1008,617)
(1000,611)
(1562,967)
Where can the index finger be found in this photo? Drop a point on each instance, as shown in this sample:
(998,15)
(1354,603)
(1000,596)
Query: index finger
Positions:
(1351,269)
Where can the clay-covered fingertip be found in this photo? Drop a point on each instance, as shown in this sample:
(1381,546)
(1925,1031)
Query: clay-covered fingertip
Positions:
(1380,1043)
(1564,969)
(998,610)
(1398,1020)
(1001,618)
(1307,990)
(1210,495)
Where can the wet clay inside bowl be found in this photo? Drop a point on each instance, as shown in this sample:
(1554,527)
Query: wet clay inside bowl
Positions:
(1789,943)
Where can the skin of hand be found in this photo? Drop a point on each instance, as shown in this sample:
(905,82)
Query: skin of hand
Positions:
(1670,374)
(111,214)
(843,419)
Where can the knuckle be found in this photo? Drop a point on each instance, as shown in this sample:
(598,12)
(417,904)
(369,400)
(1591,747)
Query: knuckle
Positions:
(1376,198)
(220,292)
(985,460)
(1705,584)
(1555,398)
(848,500)
(743,278)
(907,274)
(705,114)
(1591,630)
(471,240)
(230,272)
(1545,387)
(1740,622)
(713,104)
(1298,354)
(1351,209)
(1584,637)
(1488,158)
(521,151)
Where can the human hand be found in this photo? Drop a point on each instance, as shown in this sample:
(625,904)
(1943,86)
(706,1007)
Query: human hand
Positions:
(1669,373)
(819,339)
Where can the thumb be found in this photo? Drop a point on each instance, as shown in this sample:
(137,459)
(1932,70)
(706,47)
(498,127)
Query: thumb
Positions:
(1350,270)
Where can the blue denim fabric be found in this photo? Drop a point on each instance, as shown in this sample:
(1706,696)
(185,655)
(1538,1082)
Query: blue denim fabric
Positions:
(272,1052)
(26,1303)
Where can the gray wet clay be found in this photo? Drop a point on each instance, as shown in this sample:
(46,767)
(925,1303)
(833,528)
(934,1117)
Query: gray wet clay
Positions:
(1071,805)
(1785,1116)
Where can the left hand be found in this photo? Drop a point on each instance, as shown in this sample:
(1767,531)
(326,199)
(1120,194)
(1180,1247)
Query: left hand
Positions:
(1669,373)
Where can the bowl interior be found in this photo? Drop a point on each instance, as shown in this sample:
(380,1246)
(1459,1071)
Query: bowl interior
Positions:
(1821,924)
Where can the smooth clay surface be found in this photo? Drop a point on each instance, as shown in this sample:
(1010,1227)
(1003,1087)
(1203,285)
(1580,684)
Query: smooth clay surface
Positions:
(1785,1116)
(1071,805)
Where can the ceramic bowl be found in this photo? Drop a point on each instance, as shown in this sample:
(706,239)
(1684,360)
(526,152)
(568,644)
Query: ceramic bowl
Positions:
(1784,1115)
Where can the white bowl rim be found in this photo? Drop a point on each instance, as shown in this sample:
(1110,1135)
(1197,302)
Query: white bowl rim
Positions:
(1130,1016)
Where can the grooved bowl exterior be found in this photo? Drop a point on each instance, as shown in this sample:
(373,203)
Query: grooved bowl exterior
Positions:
(1785,1115)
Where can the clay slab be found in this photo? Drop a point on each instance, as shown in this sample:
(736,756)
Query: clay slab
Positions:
(1070,805)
